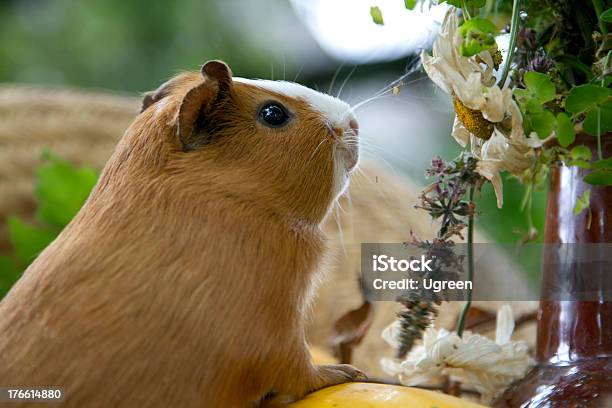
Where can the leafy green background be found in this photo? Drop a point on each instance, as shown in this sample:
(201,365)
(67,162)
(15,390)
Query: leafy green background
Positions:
(61,189)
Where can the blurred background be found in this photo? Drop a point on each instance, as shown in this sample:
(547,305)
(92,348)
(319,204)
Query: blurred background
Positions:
(333,45)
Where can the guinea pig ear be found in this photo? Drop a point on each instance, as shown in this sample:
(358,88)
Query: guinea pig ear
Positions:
(149,98)
(199,101)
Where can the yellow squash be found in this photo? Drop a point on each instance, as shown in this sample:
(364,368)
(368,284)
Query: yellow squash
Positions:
(366,395)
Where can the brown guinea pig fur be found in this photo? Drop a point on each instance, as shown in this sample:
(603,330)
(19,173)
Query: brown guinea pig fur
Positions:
(185,279)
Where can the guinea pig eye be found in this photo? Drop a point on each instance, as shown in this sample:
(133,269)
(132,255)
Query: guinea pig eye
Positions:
(273,114)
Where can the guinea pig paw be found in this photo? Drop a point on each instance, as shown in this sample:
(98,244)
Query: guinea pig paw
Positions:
(341,373)
(277,401)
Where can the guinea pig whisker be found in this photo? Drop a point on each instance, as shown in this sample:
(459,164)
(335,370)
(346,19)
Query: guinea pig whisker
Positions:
(387,90)
(343,84)
(349,200)
(350,132)
(333,80)
(350,142)
(373,179)
(399,82)
(298,73)
(340,231)
(369,143)
(378,153)
(339,206)
(368,100)
(358,176)
(317,148)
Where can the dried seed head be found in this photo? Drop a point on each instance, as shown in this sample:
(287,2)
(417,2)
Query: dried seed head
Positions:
(473,120)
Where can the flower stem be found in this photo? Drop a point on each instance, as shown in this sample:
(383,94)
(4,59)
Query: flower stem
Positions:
(526,205)
(514,26)
(599,154)
(465,10)
(603,84)
(470,257)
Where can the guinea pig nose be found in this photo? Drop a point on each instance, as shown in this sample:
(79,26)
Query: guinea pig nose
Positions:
(354,126)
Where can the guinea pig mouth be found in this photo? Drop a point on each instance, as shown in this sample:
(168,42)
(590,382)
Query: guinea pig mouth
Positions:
(349,154)
(346,144)
(347,149)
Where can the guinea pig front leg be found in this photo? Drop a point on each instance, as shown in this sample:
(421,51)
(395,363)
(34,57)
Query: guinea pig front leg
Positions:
(311,378)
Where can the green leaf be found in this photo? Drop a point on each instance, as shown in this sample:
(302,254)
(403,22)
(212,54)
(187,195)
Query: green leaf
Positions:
(590,122)
(606,16)
(540,86)
(565,130)
(603,164)
(583,202)
(469,3)
(61,190)
(522,93)
(534,106)
(478,36)
(478,24)
(543,123)
(581,153)
(9,273)
(377,16)
(599,178)
(26,240)
(456,3)
(583,164)
(410,4)
(585,97)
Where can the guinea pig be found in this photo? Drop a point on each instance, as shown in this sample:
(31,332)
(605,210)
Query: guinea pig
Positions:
(185,279)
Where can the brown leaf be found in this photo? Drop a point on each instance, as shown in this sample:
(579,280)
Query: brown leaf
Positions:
(349,331)
(479,319)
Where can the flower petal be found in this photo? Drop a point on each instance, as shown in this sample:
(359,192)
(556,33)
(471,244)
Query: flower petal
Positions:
(494,108)
(390,334)
(469,91)
(431,68)
(489,169)
(391,366)
(487,77)
(460,133)
(505,325)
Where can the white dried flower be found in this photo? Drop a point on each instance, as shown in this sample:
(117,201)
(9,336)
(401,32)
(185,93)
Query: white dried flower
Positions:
(487,116)
(490,366)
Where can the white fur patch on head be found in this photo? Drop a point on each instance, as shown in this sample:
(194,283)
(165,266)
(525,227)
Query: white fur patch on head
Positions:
(336,111)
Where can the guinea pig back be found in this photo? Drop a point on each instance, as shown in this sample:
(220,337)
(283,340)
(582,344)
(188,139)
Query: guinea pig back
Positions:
(186,277)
